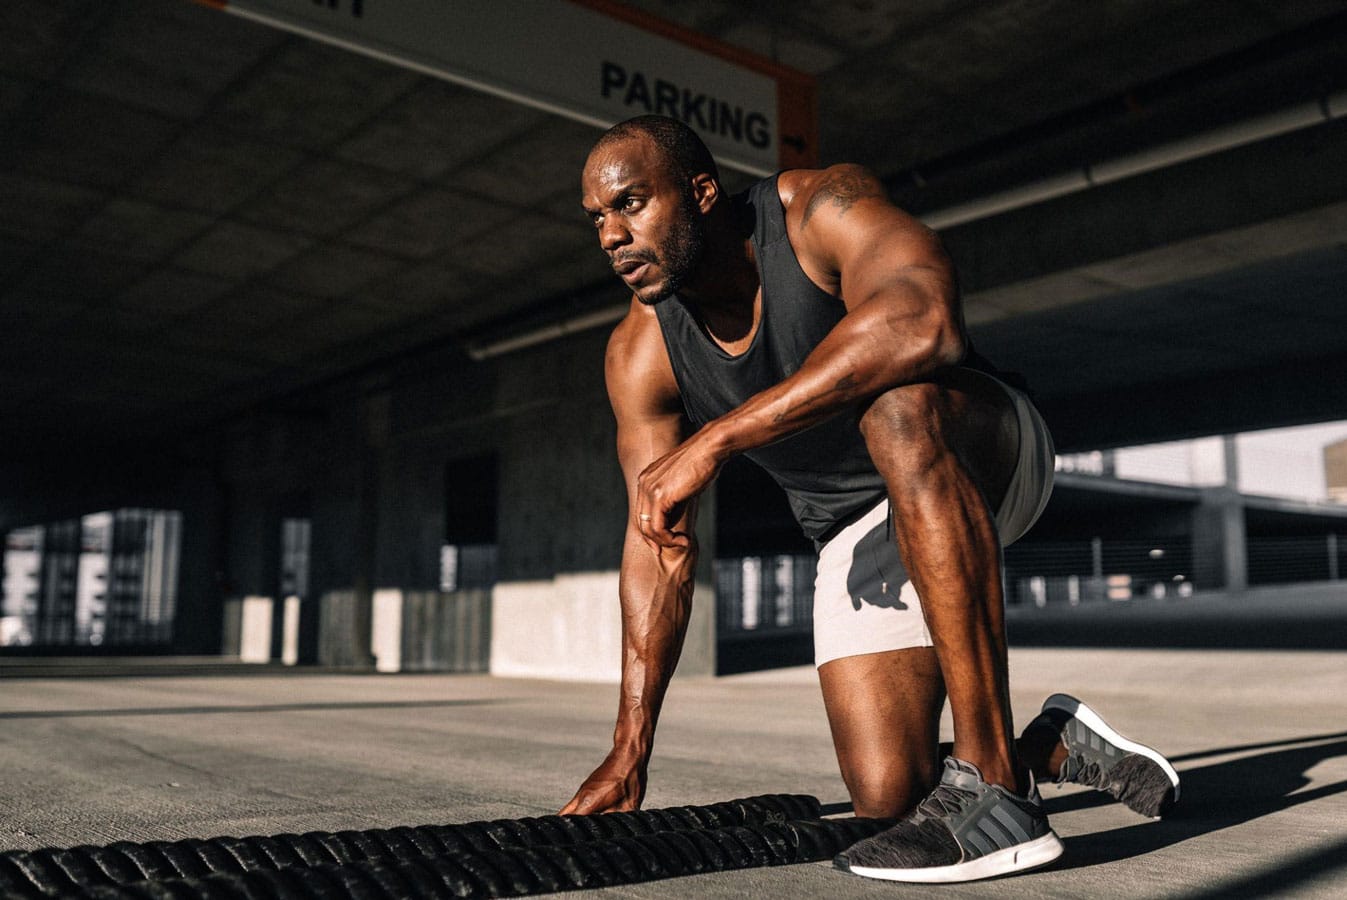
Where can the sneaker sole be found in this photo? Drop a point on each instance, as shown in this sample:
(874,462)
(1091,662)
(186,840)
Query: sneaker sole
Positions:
(1071,706)
(1019,858)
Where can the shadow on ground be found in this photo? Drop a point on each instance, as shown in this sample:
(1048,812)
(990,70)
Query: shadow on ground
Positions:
(1218,796)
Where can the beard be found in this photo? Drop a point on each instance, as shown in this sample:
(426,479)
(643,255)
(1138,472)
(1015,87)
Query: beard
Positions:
(677,256)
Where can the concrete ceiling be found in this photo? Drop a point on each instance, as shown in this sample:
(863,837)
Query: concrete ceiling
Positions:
(199,213)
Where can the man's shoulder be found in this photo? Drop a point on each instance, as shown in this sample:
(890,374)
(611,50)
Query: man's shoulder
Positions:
(804,192)
(637,359)
(633,330)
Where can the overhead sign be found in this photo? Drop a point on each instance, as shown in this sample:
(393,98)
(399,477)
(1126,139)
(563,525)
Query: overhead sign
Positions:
(591,60)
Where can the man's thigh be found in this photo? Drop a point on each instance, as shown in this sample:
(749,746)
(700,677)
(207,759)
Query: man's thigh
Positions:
(864,601)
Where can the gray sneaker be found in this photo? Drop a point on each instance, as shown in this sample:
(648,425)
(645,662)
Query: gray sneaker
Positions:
(1100,757)
(966,829)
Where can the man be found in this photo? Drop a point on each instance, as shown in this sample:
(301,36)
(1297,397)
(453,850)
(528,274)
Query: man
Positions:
(816,328)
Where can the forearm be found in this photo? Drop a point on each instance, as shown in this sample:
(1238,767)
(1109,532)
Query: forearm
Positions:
(867,353)
(656,596)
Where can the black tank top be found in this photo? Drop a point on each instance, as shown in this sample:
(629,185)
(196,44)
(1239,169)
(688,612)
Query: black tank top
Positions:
(826,472)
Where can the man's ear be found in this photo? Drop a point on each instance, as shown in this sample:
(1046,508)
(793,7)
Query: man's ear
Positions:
(705,191)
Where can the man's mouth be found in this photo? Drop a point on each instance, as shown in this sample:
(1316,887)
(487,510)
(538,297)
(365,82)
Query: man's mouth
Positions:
(630,270)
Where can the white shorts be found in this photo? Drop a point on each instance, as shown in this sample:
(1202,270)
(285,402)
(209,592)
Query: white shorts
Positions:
(863,599)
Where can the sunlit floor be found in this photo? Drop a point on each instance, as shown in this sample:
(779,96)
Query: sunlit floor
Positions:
(1259,737)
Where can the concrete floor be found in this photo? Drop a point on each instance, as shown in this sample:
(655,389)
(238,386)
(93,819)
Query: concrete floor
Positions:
(1259,737)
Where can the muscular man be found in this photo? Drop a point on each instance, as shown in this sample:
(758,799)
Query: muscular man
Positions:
(814,327)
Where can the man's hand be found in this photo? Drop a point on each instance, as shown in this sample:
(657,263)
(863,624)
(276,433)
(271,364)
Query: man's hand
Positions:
(618,785)
(667,484)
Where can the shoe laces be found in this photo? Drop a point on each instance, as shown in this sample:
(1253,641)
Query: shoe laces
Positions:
(1082,771)
(945,800)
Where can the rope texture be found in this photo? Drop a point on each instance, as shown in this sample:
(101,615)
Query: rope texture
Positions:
(500,858)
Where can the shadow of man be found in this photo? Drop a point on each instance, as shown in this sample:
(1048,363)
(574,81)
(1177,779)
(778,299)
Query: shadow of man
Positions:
(876,576)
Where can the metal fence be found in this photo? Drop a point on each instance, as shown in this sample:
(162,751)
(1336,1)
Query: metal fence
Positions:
(774,594)
(765,594)
(1072,572)
(1287,560)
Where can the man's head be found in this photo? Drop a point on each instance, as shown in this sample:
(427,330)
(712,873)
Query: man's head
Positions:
(647,186)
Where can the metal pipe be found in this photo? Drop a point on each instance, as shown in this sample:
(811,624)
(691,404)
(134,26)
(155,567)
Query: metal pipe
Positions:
(549,332)
(1227,137)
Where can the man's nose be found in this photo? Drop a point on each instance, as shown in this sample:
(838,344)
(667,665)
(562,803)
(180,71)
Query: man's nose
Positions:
(613,234)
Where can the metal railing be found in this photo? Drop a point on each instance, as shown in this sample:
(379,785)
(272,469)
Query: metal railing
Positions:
(1298,558)
(765,594)
(773,594)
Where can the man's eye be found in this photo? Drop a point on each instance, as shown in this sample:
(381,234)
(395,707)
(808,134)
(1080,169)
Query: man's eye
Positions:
(630,203)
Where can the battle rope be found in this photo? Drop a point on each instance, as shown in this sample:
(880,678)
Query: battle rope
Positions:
(507,857)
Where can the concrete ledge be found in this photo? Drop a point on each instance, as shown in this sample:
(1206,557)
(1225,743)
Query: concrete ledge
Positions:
(569,627)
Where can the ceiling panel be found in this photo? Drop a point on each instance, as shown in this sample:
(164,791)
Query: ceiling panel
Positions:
(435,127)
(198,212)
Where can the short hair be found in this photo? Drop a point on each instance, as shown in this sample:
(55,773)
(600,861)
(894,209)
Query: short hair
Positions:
(681,148)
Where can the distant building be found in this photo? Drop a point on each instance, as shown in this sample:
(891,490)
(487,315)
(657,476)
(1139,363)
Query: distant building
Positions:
(1335,471)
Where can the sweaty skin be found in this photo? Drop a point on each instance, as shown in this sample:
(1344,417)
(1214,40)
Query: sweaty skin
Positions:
(902,326)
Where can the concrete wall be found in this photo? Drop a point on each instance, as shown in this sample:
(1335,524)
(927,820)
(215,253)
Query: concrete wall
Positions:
(370,460)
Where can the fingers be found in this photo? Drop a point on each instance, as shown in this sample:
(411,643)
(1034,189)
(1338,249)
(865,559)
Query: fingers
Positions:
(656,515)
(655,529)
(581,805)
(589,802)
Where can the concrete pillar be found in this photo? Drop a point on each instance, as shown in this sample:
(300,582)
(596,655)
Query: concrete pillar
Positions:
(1220,539)
(199,618)
(699,647)
(411,517)
(373,457)
(345,539)
(255,629)
(386,629)
(555,607)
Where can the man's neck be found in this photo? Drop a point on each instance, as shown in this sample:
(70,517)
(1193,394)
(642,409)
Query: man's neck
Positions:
(723,292)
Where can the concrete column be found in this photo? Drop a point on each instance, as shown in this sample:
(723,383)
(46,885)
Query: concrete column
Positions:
(555,608)
(386,630)
(411,518)
(345,537)
(373,455)
(699,647)
(199,619)
(1220,539)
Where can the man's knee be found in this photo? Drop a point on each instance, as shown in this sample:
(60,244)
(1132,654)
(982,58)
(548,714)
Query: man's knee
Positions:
(959,420)
(904,414)
(903,427)
(890,788)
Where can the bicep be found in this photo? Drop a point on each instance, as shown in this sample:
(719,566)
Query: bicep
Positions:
(644,396)
(642,440)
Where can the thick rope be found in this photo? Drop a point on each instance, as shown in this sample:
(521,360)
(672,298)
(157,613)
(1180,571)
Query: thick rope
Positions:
(519,871)
(81,870)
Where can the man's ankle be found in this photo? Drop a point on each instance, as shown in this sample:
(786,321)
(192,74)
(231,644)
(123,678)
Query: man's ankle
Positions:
(997,770)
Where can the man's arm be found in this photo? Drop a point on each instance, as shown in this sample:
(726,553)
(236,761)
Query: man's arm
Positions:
(655,583)
(903,322)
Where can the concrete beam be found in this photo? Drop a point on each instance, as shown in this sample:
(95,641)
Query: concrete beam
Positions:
(1274,179)
(1294,393)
